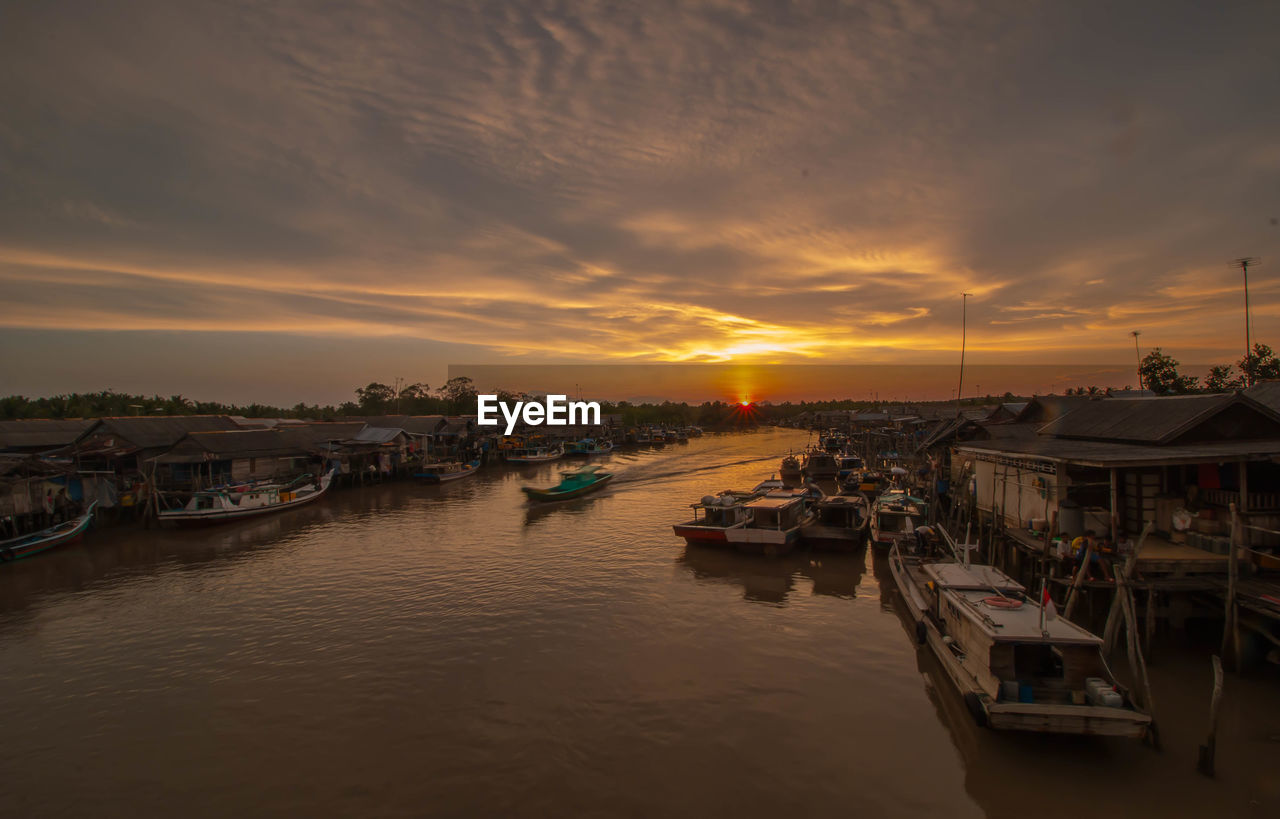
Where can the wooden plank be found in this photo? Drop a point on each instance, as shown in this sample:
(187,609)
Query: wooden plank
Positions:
(1207,751)
(1124,578)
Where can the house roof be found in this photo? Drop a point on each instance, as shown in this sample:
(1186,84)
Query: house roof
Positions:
(1266,392)
(226,444)
(1112,454)
(151,432)
(41,433)
(1160,420)
(412,424)
(1045,408)
(321,431)
(377,435)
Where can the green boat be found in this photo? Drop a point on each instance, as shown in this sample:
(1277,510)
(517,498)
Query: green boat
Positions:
(573,484)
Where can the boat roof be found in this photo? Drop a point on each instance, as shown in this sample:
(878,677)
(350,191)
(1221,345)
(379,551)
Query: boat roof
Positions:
(975,576)
(775,500)
(1021,624)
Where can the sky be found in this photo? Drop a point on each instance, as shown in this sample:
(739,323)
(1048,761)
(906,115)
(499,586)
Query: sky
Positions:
(243,202)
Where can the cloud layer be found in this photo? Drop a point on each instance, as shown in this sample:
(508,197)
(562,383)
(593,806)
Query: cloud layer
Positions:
(657,181)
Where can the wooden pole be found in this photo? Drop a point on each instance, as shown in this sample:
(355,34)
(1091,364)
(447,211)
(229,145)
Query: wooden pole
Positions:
(1207,750)
(1136,662)
(1111,630)
(1231,625)
(1074,594)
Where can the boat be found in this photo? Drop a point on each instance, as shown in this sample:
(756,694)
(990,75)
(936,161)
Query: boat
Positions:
(790,471)
(217,505)
(818,463)
(445,472)
(68,531)
(833,441)
(573,484)
(769,484)
(775,523)
(847,464)
(1016,667)
(535,454)
(840,524)
(895,516)
(720,512)
(588,447)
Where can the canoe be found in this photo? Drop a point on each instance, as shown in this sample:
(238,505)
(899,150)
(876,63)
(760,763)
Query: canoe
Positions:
(66,532)
(573,484)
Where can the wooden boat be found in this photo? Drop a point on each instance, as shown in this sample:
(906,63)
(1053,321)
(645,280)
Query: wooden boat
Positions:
(720,512)
(68,531)
(216,506)
(790,471)
(840,524)
(573,484)
(445,472)
(1016,667)
(588,447)
(847,465)
(776,520)
(535,454)
(895,516)
(867,483)
(818,463)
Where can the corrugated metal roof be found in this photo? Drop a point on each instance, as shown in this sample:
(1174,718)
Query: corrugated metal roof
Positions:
(412,424)
(1149,420)
(1267,393)
(1045,408)
(43,433)
(377,435)
(321,431)
(1111,454)
(150,432)
(247,443)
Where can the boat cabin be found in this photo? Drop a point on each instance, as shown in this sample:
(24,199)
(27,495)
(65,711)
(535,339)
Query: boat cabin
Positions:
(780,509)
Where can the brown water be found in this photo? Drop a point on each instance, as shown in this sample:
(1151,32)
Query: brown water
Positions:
(411,650)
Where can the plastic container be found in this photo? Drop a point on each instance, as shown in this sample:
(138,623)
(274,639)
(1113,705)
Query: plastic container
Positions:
(1024,693)
(1009,691)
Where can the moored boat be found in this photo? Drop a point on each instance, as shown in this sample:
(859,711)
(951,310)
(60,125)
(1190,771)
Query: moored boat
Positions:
(588,447)
(847,464)
(720,512)
(776,520)
(1017,667)
(68,531)
(445,472)
(215,506)
(573,483)
(895,516)
(790,471)
(535,454)
(840,524)
(818,463)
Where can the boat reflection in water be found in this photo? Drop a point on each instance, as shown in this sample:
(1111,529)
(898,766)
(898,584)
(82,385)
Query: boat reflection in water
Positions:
(773,581)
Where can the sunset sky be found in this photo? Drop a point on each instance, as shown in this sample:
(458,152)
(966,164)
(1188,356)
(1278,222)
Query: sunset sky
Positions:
(281,204)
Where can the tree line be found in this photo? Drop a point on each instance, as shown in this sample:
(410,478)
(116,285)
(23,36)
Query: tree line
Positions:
(1160,373)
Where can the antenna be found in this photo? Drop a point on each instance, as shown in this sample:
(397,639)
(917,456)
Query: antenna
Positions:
(964,303)
(1138,353)
(1244,262)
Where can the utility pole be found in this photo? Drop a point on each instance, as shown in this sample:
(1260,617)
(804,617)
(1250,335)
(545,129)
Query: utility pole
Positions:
(1244,263)
(1138,353)
(964,303)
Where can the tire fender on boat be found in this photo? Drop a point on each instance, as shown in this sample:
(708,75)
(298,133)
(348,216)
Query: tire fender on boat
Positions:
(974,704)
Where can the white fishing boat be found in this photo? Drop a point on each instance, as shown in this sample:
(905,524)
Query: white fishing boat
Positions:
(775,523)
(715,515)
(1017,667)
(215,506)
(445,472)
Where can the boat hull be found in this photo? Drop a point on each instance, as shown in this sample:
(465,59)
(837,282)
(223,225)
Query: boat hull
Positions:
(833,538)
(64,533)
(550,495)
(769,542)
(445,477)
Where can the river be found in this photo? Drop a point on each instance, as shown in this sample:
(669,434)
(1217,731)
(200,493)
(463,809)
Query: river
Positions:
(405,650)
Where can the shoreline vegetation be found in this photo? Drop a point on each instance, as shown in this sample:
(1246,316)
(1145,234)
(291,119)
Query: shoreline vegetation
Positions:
(457,396)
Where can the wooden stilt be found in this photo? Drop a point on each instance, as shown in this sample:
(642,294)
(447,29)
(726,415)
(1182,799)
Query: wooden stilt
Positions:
(1207,750)
(1123,577)
(1136,662)
(1074,594)
(1231,626)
